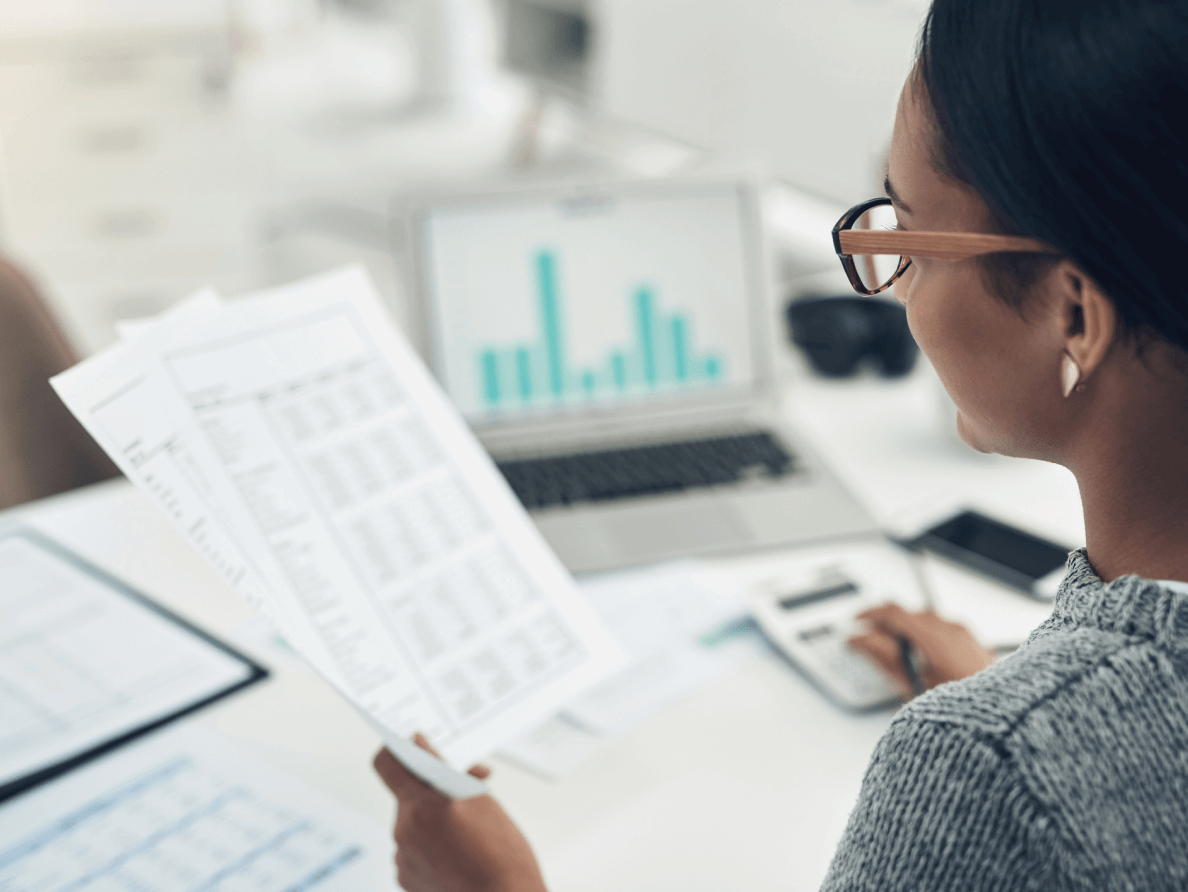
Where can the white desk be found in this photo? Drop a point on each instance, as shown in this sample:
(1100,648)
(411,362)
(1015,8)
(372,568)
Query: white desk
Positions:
(746,785)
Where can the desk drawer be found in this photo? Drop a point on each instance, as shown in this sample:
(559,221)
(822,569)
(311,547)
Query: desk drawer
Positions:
(116,76)
(133,153)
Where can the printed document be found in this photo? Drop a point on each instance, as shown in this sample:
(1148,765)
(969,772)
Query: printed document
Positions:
(84,661)
(183,809)
(301,445)
(683,626)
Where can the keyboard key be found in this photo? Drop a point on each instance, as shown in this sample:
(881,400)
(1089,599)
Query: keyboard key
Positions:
(652,469)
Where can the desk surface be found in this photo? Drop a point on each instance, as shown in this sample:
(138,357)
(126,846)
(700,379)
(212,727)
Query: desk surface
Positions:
(747,784)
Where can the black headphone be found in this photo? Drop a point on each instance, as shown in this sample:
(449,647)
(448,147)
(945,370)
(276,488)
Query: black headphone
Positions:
(838,333)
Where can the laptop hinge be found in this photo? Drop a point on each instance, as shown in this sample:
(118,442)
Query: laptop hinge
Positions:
(554,434)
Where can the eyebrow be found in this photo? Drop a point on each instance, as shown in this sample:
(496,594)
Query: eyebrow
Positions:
(894,196)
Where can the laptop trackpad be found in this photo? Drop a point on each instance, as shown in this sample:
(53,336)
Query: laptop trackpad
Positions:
(648,532)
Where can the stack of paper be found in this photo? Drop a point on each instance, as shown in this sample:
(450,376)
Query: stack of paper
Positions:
(298,442)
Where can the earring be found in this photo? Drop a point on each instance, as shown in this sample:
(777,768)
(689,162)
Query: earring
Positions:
(1070,375)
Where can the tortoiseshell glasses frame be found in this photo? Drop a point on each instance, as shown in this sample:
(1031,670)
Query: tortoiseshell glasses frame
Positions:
(849,243)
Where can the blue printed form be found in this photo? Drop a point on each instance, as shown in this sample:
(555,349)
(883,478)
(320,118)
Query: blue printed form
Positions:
(184,810)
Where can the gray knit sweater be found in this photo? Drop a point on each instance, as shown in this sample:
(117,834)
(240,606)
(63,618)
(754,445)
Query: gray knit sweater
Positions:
(1063,766)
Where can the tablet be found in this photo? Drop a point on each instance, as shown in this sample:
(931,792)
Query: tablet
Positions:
(87,663)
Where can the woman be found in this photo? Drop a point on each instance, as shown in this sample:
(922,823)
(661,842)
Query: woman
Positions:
(1058,128)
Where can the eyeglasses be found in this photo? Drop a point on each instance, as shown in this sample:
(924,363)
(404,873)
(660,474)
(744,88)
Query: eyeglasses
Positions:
(875,254)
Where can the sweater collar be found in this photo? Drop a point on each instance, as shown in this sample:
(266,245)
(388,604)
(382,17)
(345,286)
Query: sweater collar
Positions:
(1129,605)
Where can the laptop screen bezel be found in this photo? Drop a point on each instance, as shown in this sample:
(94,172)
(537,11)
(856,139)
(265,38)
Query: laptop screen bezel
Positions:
(430,338)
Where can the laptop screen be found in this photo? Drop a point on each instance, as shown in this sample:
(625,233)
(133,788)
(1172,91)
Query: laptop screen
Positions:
(550,304)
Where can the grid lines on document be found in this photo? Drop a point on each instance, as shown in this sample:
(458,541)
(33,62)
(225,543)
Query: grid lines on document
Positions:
(177,828)
(65,673)
(340,456)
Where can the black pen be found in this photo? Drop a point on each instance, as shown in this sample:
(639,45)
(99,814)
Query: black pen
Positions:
(911,665)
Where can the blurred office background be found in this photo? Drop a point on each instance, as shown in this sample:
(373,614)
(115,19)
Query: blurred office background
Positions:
(148,148)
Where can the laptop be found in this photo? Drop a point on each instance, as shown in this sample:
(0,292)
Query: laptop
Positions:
(613,347)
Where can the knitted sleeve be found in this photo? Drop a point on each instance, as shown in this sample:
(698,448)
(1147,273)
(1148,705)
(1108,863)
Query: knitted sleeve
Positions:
(943,809)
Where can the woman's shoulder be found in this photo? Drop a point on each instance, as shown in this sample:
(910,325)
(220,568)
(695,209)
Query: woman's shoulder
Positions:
(1125,642)
(1039,676)
(1085,693)
(1053,763)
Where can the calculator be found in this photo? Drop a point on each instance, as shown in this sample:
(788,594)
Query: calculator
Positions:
(807,609)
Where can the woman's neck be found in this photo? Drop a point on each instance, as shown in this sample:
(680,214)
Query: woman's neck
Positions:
(1136,532)
(1133,476)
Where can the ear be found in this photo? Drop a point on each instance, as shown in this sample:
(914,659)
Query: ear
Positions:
(1088,316)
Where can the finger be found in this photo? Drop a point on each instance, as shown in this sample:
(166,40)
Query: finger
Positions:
(895,621)
(885,613)
(423,742)
(482,772)
(883,651)
(395,776)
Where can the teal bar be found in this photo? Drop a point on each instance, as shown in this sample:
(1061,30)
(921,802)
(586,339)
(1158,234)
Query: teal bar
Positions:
(539,366)
(680,347)
(619,369)
(546,270)
(647,343)
(490,364)
(664,353)
(524,373)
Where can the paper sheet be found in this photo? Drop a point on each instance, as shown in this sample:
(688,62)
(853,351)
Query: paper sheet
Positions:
(683,627)
(660,616)
(83,663)
(183,809)
(301,445)
(554,750)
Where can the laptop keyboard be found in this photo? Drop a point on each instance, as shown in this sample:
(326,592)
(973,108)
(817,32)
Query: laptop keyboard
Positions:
(646,470)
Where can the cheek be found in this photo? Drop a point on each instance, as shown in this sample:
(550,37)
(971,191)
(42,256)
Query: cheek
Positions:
(979,348)
(932,299)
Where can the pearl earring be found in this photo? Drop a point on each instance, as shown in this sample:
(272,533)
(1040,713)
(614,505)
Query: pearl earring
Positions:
(1070,375)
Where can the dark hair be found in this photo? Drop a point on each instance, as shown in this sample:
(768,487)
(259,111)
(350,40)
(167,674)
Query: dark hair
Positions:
(1070,119)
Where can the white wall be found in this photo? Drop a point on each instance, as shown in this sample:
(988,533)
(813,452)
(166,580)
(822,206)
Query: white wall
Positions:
(802,89)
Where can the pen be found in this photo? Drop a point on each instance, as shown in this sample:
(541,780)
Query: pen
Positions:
(911,665)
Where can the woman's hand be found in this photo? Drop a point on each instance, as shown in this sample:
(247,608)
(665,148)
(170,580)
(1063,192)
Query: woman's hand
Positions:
(947,651)
(454,845)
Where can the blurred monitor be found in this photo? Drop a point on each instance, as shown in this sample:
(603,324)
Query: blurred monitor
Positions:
(551,41)
(803,90)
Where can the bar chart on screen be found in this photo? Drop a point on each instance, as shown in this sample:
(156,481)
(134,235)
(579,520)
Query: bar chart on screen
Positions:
(662,355)
(547,303)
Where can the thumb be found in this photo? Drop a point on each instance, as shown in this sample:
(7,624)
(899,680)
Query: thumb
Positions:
(395,776)
(482,772)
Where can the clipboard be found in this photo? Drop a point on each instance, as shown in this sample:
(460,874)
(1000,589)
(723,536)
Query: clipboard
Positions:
(88,664)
